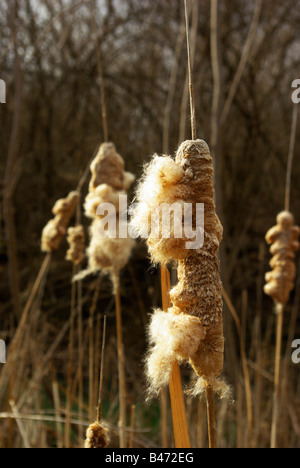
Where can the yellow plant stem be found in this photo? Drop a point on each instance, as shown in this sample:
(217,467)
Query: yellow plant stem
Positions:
(211,417)
(121,366)
(180,425)
(276,395)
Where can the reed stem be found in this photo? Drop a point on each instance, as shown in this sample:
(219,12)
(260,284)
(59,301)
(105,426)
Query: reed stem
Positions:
(276,394)
(121,366)
(180,425)
(211,417)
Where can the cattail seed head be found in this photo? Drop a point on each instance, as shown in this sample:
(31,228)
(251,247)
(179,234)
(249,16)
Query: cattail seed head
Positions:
(107,251)
(97,436)
(76,240)
(283,239)
(56,228)
(192,329)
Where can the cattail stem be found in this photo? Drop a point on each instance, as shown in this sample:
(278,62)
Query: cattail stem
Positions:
(121,365)
(91,347)
(80,360)
(100,72)
(99,409)
(291,158)
(163,404)
(276,395)
(180,425)
(70,365)
(132,422)
(211,417)
(190,68)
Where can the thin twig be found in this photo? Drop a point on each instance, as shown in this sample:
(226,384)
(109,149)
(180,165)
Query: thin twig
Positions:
(99,409)
(276,395)
(190,68)
(121,364)
(211,417)
(172,87)
(132,422)
(291,158)
(100,72)
(70,364)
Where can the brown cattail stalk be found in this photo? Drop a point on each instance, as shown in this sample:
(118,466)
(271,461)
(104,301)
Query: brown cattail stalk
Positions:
(132,423)
(70,366)
(211,417)
(121,366)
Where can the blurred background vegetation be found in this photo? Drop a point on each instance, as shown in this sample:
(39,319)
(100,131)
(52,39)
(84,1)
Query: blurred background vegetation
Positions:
(51,126)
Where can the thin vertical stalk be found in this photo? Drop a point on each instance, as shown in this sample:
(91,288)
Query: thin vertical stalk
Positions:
(276,394)
(190,69)
(101,379)
(80,360)
(70,365)
(172,87)
(121,364)
(291,158)
(100,72)
(132,423)
(185,96)
(163,404)
(211,417)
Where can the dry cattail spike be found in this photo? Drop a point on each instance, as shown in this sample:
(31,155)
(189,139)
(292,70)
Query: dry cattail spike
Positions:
(97,436)
(108,168)
(192,329)
(284,243)
(55,230)
(76,240)
(108,253)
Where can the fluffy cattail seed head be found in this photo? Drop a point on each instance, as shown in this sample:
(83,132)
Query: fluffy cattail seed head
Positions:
(76,240)
(192,329)
(283,239)
(107,251)
(97,436)
(56,228)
